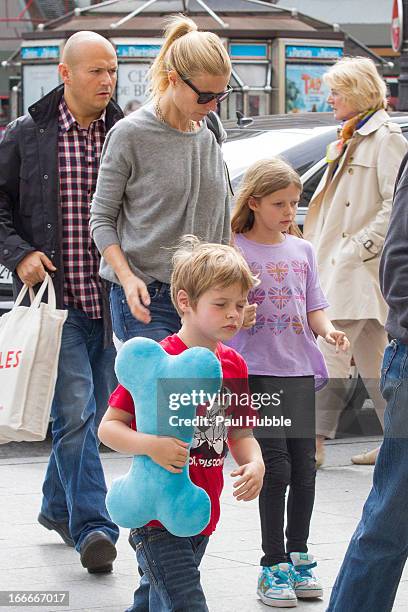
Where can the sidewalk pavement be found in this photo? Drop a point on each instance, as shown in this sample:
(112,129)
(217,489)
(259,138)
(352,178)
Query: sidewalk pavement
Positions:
(32,558)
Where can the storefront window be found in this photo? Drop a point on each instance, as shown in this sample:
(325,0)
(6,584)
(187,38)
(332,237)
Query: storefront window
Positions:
(253,75)
(132,86)
(234,103)
(258,104)
(38,80)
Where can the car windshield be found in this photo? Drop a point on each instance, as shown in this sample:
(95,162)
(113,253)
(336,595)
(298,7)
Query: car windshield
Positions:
(240,154)
(302,148)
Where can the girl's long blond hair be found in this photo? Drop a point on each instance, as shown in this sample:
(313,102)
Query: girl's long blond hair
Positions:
(189,52)
(263,178)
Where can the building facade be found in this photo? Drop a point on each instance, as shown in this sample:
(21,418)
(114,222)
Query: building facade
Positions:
(278,56)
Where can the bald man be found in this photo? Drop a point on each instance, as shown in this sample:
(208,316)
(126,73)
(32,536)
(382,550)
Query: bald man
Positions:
(49,162)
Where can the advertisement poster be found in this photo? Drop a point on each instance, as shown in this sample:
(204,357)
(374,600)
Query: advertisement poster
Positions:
(132,86)
(38,80)
(305,90)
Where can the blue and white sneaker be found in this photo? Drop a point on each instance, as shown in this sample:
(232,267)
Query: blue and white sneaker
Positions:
(275,587)
(305,583)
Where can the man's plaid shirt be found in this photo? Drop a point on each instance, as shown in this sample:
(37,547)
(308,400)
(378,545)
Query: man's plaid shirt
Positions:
(79,151)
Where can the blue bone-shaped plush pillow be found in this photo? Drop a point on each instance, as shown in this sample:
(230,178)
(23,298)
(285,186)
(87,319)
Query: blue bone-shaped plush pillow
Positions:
(148,491)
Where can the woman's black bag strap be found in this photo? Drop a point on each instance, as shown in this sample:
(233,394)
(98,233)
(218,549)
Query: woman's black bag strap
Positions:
(214,124)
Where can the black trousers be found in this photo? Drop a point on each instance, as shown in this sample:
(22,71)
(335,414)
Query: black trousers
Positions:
(289,462)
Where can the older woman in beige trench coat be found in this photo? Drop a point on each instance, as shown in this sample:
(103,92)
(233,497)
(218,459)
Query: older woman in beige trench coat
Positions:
(346,222)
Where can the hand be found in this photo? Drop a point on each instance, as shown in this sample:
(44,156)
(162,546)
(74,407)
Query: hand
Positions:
(338,338)
(170,453)
(31,268)
(249,316)
(249,485)
(137,297)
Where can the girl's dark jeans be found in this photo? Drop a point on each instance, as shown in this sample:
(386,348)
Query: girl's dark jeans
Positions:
(289,462)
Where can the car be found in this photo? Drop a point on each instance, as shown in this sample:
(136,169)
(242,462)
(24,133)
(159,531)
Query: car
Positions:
(300,138)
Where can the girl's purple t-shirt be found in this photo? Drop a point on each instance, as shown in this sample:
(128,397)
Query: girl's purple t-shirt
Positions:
(281,342)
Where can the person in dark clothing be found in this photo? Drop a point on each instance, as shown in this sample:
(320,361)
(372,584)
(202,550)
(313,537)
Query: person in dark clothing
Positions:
(49,162)
(372,568)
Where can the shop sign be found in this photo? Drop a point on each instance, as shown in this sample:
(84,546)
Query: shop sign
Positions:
(248,51)
(137,50)
(33,53)
(306,52)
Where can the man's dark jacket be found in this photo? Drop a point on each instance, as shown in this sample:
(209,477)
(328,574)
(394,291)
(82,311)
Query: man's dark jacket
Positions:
(394,260)
(30,212)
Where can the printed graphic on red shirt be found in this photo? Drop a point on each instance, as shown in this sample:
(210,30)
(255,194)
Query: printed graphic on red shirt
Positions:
(210,440)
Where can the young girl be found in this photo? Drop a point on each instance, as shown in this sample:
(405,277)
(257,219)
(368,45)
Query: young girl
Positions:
(282,356)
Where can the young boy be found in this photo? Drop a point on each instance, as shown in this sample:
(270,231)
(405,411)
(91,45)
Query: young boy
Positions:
(209,288)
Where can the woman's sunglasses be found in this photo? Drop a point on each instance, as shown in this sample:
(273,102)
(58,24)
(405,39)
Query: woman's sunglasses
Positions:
(204,97)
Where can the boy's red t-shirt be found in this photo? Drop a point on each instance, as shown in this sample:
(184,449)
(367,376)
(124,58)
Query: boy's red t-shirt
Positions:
(210,446)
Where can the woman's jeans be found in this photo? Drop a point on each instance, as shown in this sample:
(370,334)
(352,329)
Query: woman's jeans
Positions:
(289,462)
(164,318)
(74,488)
(372,568)
(171,578)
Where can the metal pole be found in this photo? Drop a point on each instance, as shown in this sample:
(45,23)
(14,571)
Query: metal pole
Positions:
(212,14)
(403,77)
(79,10)
(132,14)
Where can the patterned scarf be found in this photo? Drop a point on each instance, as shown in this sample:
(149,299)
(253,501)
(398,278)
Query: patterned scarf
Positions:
(336,149)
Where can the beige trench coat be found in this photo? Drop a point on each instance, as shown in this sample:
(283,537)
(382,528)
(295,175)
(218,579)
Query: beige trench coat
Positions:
(348,217)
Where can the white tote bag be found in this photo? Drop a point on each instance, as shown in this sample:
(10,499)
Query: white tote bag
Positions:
(30,341)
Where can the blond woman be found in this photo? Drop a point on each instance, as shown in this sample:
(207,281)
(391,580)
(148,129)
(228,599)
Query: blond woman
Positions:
(162,176)
(346,222)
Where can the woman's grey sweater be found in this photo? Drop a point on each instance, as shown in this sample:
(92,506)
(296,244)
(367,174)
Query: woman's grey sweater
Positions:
(155,184)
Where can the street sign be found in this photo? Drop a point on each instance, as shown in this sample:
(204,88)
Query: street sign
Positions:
(396,25)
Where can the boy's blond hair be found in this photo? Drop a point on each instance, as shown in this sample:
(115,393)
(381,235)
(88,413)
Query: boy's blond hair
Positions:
(200,266)
(260,180)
